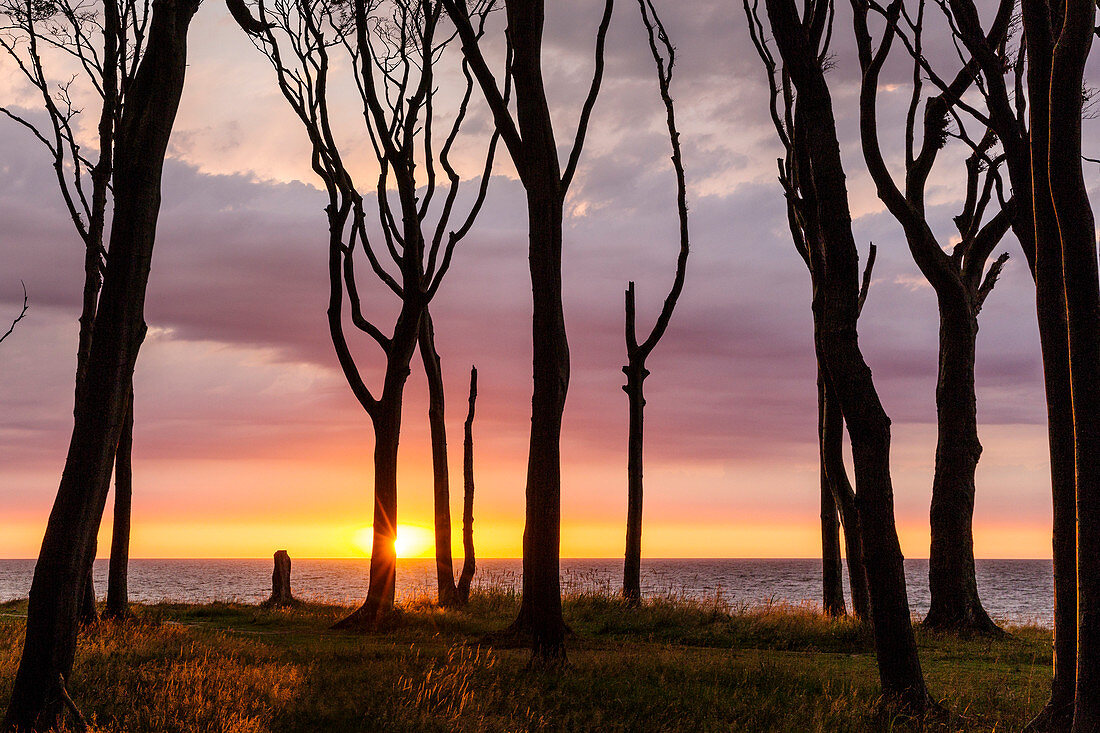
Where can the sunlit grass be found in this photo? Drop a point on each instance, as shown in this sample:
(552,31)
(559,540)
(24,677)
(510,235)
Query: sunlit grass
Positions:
(670,665)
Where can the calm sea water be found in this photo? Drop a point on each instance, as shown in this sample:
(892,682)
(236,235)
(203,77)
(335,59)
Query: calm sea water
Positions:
(1016,590)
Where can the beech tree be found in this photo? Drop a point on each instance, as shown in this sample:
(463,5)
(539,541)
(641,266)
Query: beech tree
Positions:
(962,280)
(838,498)
(532,145)
(469,562)
(46,42)
(802,42)
(140,141)
(392,47)
(664,58)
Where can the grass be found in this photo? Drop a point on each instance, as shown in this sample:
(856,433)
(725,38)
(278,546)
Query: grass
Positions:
(670,665)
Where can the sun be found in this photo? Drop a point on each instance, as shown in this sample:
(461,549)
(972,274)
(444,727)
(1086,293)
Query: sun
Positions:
(412,541)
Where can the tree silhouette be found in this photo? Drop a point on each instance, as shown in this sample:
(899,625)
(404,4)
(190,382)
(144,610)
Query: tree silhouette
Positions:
(469,563)
(393,48)
(38,38)
(664,58)
(141,140)
(21,316)
(821,202)
(529,137)
(962,282)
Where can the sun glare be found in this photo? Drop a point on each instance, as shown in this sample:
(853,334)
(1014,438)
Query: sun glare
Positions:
(412,541)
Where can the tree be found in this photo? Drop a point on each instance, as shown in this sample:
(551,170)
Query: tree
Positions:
(962,282)
(664,58)
(21,316)
(62,32)
(393,47)
(838,498)
(529,137)
(802,42)
(469,563)
(65,559)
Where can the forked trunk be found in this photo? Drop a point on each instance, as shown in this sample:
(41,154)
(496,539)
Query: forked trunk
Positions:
(65,558)
(632,582)
(89,614)
(952,581)
(832,579)
(469,563)
(444,565)
(118,605)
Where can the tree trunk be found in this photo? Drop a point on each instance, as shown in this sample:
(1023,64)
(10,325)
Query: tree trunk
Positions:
(280,581)
(444,565)
(845,499)
(832,579)
(64,560)
(469,563)
(951,575)
(632,582)
(89,614)
(118,606)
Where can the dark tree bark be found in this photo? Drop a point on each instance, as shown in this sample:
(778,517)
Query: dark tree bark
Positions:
(398,114)
(100,413)
(118,604)
(530,139)
(89,614)
(280,582)
(961,282)
(433,370)
(832,578)
(469,562)
(830,248)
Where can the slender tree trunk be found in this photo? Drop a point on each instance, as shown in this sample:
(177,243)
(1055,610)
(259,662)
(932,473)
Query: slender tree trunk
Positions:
(540,612)
(951,575)
(469,562)
(845,499)
(832,579)
(63,563)
(632,582)
(444,565)
(118,606)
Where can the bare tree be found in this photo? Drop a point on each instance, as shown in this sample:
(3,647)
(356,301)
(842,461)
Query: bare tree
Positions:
(393,47)
(664,58)
(802,42)
(837,495)
(65,33)
(21,316)
(141,140)
(529,137)
(469,563)
(962,282)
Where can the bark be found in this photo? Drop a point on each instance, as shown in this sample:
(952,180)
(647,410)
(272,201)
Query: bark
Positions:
(951,573)
(844,498)
(836,310)
(118,605)
(89,614)
(444,565)
(280,581)
(469,562)
(635,377)
(832,579)
(100,413)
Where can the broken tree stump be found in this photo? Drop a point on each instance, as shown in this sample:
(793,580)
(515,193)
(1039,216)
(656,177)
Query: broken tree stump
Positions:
(280,582)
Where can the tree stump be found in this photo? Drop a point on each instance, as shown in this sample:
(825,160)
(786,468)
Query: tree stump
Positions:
(280,582)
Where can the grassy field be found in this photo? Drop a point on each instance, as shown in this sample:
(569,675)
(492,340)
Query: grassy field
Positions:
(671,665)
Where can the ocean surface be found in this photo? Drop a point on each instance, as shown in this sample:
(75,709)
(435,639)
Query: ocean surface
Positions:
(1013,590)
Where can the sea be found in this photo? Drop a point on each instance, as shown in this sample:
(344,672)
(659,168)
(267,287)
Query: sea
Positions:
(1016,591)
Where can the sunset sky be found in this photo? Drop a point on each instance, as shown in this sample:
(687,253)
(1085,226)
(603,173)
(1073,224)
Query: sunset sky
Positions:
(247,438)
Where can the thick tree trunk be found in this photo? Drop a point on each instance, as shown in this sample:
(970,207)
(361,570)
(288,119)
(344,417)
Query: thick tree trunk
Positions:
(845,499)
(118,606)
(100,413)
(952,582)
(632,581)
(469,562)
(832,579)
(540,612)
(281,595)
(444,565)
(89,614)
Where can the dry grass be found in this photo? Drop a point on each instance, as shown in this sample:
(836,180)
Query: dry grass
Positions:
(671,665)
